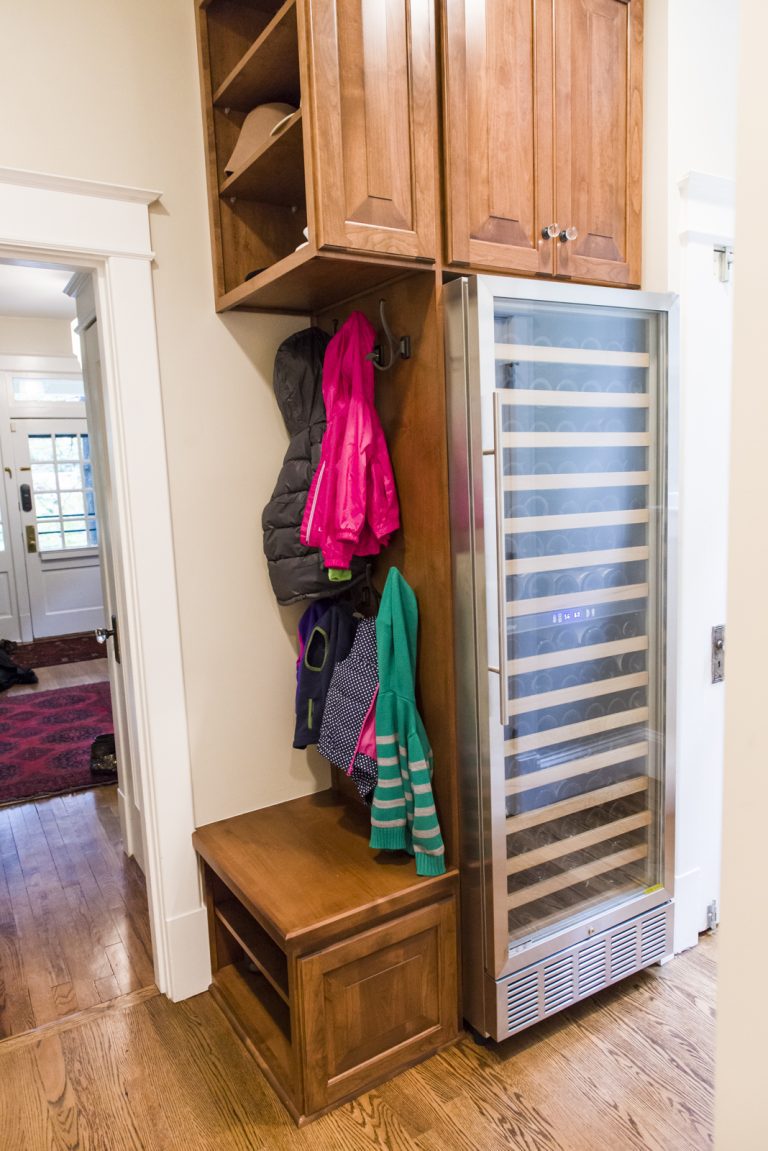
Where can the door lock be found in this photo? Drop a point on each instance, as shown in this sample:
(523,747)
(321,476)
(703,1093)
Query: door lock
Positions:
(25,495)
(31,535)
(718,654)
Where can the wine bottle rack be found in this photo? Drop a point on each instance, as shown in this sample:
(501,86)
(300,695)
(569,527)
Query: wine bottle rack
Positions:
(573,459)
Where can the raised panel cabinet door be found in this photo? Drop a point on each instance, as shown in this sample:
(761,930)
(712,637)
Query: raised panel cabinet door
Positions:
(598,138)
(378,1002)
(373,108)
(497,62)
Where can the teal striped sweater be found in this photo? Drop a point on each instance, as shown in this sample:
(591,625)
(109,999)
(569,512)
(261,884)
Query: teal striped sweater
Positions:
(403,815)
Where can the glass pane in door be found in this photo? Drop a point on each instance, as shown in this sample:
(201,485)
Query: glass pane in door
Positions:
(62,482)
(580,547)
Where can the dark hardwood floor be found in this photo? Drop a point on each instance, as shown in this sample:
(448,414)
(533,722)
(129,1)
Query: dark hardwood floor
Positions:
(630,1070)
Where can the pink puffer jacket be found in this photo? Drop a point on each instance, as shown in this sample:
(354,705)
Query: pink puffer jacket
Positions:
(352,507)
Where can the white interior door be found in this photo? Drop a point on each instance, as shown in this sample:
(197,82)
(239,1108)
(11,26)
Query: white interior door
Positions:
(129,795)
(54,475)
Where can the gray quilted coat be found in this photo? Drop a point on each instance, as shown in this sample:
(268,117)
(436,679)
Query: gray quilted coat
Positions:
(297,572)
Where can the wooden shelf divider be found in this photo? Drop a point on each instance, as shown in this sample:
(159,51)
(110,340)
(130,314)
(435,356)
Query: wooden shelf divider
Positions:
(275,172)
(256,944)
(269,70)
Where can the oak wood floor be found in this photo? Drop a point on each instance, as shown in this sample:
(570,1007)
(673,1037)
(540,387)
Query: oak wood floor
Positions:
(628,1070)
(74,924)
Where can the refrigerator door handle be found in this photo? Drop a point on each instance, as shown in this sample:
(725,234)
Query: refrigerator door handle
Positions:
(501,557)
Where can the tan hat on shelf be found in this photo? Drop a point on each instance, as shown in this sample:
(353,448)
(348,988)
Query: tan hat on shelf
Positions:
(257,127)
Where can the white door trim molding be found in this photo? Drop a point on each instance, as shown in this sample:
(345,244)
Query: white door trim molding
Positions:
(106,228)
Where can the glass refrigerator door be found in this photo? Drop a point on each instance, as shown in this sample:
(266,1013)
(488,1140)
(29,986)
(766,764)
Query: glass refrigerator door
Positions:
(578,444)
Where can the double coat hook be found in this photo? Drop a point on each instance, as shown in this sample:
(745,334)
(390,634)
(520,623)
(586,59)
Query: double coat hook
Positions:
(396,349)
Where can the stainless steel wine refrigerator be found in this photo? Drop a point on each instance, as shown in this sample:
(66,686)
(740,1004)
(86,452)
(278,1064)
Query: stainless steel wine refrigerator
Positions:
(563,541)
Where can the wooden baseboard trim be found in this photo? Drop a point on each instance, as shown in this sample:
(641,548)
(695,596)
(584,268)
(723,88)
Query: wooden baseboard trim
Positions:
(57,1026)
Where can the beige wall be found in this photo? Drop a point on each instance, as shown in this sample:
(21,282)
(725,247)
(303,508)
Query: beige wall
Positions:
(742,1110)
(108,90)
(30,336)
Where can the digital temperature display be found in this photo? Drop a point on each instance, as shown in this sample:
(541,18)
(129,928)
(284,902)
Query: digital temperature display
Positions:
(574,615)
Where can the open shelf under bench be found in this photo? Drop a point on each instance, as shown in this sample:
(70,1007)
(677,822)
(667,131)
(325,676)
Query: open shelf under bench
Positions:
(336,966)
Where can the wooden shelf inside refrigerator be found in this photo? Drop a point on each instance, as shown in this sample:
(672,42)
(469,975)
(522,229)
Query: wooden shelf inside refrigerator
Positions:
(574,843)
(546,354)
(573,731)
(575,767)
(539,398)
(523,703)
(576,655)
(576,520)
(575,439)
(553,603)
(567,480)
(577,875)
(571,560)
(576,803)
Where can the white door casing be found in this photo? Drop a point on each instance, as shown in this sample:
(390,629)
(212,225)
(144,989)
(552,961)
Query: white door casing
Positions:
(82,224)
(81,287)
(10,626)
(64,584)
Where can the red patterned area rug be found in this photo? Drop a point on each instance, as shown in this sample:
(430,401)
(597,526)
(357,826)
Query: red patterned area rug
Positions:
(57,650)
(46,737)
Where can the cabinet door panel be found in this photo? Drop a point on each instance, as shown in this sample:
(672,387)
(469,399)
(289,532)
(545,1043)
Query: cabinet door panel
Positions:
(598,140)
(377,1002)
(373,108)
(498,133)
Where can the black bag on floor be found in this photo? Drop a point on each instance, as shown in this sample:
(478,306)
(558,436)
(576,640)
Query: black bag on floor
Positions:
(104,756)
(11,673)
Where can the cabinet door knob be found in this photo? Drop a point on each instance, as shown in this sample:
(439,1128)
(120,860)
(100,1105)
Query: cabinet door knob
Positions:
(568,234)
(550,231)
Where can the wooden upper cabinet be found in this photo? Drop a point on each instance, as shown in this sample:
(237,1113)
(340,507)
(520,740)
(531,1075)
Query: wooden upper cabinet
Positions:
(598,141)
(373,106)
(542,126)
(497,65)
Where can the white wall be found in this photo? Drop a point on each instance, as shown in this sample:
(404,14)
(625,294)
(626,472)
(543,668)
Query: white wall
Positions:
(741,1113)
(690,125)
(30,336)
(115,97)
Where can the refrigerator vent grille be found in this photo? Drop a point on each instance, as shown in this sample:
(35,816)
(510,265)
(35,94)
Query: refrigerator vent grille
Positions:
(624,952)
(593,967)
(523,1002)
(562,979)
(653,938)
(559,984)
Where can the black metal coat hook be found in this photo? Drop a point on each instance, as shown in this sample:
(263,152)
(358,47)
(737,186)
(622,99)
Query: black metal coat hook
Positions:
(400,349)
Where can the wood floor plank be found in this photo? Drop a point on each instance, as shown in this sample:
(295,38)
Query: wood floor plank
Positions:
(58,857)
(173,1076)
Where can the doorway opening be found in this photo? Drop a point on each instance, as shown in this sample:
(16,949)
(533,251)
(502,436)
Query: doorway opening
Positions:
(84,937)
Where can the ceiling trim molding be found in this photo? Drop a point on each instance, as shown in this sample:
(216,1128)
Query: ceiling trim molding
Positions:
(78,187)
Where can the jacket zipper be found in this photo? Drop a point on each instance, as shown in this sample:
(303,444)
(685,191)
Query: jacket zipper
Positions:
(314,499)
